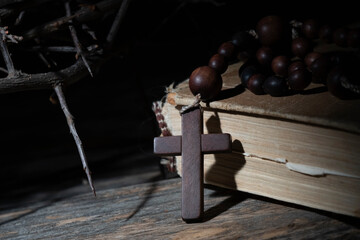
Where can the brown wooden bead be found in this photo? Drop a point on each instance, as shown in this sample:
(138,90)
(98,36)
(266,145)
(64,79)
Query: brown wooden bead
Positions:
(218,63)
(340,37)
(271,30)
(206,81)
(320,69)
(311,57)
(310,28)
(301,46)
(325,33)
(227,49)
(353,38)
(296,65)
(299,79)
(264,56)
(255,83)
(280,65)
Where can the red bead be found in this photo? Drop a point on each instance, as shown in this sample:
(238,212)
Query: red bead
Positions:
(299,79)
(310,28)
(301,46)
(339,37)
(264,56)
(280,65)
(206,81)
(353,38)
(255,83)
(325,33)
(227,49)
(296,65)
(320,69)
(218,63)
(333,83)
(311,57)
(271,30)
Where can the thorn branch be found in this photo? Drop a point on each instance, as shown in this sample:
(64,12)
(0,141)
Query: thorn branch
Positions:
(70,121)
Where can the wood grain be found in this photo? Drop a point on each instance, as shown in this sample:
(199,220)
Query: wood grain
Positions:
(192,199)
(152,211)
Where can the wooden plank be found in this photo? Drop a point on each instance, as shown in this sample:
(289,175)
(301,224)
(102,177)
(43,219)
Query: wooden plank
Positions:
(152,211)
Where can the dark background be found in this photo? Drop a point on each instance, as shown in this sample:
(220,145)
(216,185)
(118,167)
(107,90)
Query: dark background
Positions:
(159,42)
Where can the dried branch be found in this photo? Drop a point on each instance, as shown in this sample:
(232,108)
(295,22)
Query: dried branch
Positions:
(116,24)
(46,62)
(6,55)
(8,11)
(76,39)
(83,15)
(26,82)
(48,27)
(19,18)
(3,70)
(65,49)
(70,121)
(17,81)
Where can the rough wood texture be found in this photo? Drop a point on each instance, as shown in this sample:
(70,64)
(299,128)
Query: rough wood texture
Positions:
(152,211)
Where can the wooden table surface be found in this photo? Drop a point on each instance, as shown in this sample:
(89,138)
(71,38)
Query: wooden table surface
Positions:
(151,210)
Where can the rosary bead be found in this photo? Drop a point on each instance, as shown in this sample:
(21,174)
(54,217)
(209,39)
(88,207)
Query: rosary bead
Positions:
(227,49)
(301,46)
(242,40)
(299,79)
(255,83)
(296,65)
(245,44)
(271,30)
(339,37)
(319,69)
(264,56)
(353,38)
(280,65)
(326,33)
(275,86)
(333,83)
(310,28)
(206,81)
(311,57)
(245,72)
(218,63)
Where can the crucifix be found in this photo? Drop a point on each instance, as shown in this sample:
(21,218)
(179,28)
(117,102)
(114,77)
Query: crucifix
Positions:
(191,146)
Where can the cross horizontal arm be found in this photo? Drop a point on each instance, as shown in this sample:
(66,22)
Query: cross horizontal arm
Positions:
(216,143)
(167,146)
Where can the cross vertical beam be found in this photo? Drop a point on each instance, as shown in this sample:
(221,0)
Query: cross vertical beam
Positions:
(192,202)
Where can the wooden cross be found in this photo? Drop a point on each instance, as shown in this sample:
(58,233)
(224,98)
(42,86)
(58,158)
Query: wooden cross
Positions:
(191,146)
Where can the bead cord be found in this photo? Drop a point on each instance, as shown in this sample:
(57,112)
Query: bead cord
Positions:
(351,87)
(195,104)
(169,162)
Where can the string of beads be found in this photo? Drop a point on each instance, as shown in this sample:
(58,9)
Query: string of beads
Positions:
(280,59)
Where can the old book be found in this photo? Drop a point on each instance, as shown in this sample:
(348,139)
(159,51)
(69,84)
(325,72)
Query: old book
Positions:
(303,148)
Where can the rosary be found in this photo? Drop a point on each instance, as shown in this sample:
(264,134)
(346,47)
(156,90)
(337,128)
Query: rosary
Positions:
(279,59)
